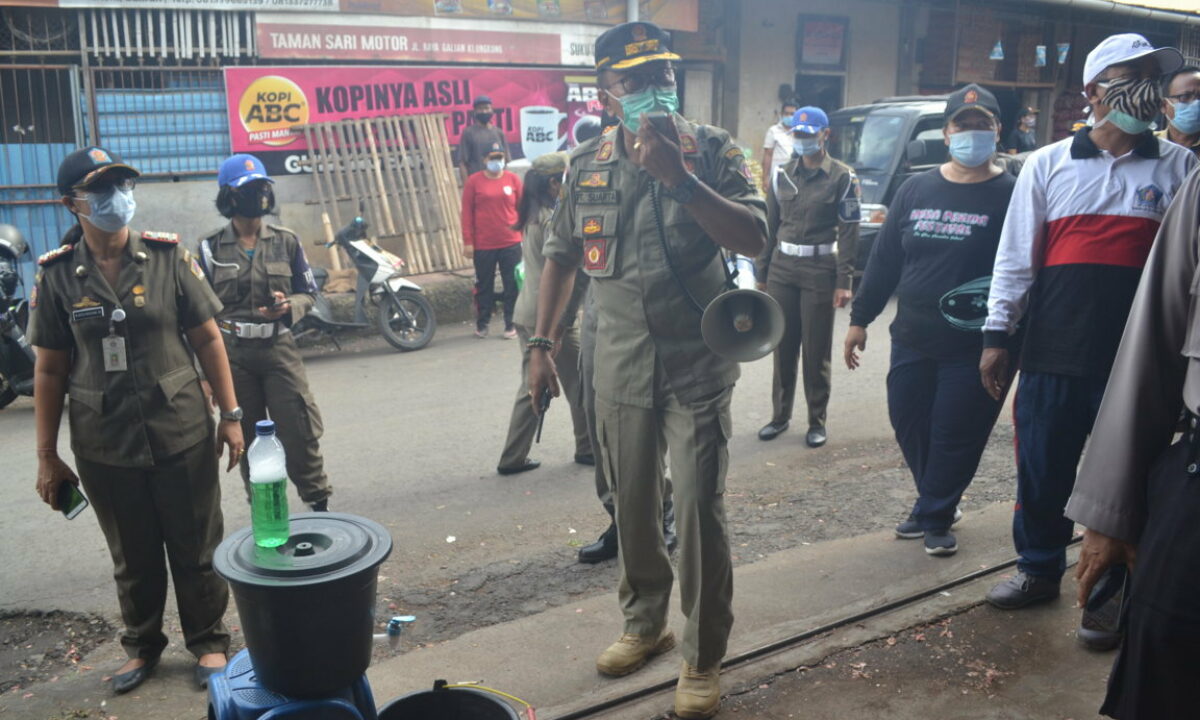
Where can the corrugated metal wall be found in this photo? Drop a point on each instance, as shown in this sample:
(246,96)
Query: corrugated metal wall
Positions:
(169,121)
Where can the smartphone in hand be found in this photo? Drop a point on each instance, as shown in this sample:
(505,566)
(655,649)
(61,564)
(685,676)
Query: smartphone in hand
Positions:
(71,501)
(663,123)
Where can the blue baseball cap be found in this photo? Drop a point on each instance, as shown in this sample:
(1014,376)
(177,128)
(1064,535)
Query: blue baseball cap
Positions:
(809,119)
(238,170)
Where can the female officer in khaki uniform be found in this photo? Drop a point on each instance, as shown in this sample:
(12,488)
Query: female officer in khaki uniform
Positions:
(110,312)
(262,277)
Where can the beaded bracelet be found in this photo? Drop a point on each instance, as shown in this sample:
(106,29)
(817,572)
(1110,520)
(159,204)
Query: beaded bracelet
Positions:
(536,342)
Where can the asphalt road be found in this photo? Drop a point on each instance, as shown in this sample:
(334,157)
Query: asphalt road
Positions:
(412,440)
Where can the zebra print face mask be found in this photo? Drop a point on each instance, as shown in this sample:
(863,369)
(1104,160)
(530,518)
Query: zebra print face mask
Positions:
(1138,99)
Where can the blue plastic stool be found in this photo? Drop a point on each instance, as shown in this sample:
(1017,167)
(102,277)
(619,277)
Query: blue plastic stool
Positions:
(236,694)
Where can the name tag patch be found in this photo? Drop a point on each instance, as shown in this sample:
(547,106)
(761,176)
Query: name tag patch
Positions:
(87,313)
(597,197)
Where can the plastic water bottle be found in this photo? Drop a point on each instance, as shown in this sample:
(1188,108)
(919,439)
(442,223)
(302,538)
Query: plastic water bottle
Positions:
(268,487)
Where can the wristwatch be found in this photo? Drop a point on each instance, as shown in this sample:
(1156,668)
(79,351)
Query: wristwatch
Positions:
(684,191)
(234,415)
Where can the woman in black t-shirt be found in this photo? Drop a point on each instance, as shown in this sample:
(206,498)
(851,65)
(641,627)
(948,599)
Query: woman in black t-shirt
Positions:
(935,252)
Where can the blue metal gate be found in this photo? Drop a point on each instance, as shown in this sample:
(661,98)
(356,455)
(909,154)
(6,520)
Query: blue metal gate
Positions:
(38,127)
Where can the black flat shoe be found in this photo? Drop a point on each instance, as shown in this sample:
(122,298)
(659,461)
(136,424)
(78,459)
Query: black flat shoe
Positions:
(524,467)
(605,548)
(816,437)
(201,674)
(589,460)
(772,430)
(124,682)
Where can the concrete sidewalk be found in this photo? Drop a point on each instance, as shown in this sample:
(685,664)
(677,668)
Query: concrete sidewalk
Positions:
(548,659)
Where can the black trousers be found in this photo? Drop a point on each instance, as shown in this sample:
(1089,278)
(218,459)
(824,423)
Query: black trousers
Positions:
(1156,669)
(485,283)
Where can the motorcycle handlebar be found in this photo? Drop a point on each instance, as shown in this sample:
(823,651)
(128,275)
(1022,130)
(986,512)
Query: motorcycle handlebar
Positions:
(356,229)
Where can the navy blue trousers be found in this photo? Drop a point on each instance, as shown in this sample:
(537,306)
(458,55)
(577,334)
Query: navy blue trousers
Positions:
(1054,415)
(942,418)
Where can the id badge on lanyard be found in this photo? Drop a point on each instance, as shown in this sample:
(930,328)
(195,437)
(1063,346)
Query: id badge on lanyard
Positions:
(115,356)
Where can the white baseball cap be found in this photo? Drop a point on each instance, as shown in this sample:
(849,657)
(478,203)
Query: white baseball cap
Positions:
(1126,47)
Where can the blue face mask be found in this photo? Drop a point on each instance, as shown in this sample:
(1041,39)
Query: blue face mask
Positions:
(1125,122)
(495,165)
(973,148)
(806,146)
(787,121)
(111,211)
(1187,117)
(652,99)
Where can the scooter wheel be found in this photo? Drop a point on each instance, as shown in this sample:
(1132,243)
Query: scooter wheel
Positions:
(406,321)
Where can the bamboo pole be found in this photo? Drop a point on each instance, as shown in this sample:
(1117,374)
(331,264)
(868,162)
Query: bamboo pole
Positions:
(335,262)
(420,238)
(432,160)
(358,189)
(451,189)
(401,195)
(368,132)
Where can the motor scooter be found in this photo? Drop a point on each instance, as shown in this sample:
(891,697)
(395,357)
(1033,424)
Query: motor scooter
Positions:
(406,318)
(16,354)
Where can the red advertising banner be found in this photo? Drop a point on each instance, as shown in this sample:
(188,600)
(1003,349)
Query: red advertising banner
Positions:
(400,44)
(538,110)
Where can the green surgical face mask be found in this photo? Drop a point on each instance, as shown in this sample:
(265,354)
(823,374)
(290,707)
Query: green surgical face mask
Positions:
(652,99)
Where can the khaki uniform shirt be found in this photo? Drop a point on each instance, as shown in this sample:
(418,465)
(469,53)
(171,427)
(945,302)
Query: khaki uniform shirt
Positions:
(155,409)
(606,222)
(245,284)
(1156,373)
(1165,135)
(534,239)
(812,207)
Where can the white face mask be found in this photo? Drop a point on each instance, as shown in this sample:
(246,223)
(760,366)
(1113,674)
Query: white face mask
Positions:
(495,165)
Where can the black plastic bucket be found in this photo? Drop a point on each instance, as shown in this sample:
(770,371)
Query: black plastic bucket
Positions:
(307,607)
(448,704)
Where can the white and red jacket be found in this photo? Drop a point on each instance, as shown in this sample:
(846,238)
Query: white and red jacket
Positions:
(1075,238)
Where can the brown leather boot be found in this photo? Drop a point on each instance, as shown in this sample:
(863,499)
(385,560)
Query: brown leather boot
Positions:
(631,652)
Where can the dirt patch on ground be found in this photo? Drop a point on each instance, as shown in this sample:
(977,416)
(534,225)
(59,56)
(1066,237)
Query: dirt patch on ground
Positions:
(981,664)
(856,490)
(42,646)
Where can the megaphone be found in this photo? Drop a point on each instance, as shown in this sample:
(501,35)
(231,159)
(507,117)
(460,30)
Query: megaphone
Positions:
(742,324)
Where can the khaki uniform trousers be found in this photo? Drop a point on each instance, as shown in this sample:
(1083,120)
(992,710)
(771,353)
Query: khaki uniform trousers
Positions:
(695,436)
(522,427)
(177,505)
(808,313)
(268,376)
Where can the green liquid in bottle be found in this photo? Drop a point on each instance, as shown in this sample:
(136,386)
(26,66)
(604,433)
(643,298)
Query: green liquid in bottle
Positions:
(269,512)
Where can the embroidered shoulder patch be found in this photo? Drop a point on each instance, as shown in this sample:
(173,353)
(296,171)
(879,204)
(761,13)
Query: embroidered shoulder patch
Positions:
(606,151)
(687,143)
(594,178)
(595,253)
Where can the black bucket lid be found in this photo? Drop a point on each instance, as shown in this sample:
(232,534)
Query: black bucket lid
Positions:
(323,547)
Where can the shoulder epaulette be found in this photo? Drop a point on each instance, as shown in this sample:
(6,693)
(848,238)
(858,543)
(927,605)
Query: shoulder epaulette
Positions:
(588,146)
(165,238)
(56,254)
(282,229)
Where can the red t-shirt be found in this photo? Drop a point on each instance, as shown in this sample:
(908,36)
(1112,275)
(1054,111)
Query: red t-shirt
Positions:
(489,210)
